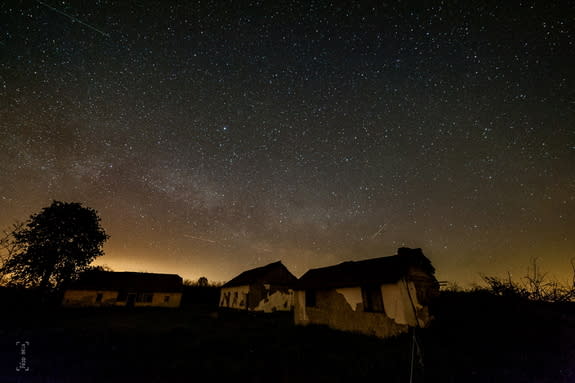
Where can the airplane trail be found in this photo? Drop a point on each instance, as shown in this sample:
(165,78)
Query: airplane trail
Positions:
(74,19)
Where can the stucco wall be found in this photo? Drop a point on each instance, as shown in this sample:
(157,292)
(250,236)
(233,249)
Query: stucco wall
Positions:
(257,297)
(300,315)
(158,301)
(234,297)
(276,301)
(334,310)
(86,298)
(353,297)
(343,309)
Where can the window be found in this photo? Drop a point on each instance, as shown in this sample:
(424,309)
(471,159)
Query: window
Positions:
(166,298)
(372,299)
(310,298)
(99,297)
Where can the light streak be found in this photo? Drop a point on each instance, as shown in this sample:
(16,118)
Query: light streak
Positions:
(200,239)
(74,19)
(378,232)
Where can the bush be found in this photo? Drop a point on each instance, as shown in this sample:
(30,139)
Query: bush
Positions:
(534,286)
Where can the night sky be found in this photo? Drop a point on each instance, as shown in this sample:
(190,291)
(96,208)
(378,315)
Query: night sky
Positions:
(213,137)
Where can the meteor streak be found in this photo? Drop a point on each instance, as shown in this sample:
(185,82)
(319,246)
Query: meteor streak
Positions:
(74,19)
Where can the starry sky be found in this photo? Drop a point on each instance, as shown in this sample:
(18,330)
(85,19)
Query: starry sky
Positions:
(216,136)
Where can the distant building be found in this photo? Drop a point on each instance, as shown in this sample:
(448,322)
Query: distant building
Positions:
(106,288)
(380,296)
(266,289)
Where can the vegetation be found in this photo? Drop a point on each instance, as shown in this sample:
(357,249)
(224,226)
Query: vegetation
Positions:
(534,286)
(52,247)
(201,291)
(476,337)
(202,282)
(503,331)
(479,336)
(97,268)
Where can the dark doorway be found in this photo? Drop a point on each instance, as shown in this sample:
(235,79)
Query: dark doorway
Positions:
(372,299)
(130,301)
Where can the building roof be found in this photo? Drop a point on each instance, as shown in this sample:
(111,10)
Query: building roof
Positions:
(110,280)
(370,271)
(274,273)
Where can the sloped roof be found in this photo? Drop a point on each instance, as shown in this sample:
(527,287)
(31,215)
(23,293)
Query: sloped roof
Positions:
(370,271)
(110,280)
(274,273)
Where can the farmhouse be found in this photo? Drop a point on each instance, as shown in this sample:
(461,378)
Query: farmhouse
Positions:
(267,289)
(380,296)
(105,288)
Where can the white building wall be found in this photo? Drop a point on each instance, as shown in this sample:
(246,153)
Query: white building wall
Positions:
(158,300)
(352,295)
(234,297)
(86,298)
(397,303)
(300,314)
(278,301)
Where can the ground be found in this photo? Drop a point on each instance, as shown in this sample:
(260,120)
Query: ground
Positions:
(467,343)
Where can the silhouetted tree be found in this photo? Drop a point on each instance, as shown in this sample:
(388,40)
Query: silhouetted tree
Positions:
(8,248)
(53,246)
(203,282)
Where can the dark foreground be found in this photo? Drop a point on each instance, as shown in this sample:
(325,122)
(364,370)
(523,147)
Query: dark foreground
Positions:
(471,341)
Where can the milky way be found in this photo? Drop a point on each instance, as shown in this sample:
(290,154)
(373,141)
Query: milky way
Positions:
(214,137)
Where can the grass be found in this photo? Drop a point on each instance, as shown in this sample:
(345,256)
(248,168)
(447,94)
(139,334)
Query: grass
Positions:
(88,345)
(474,339)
